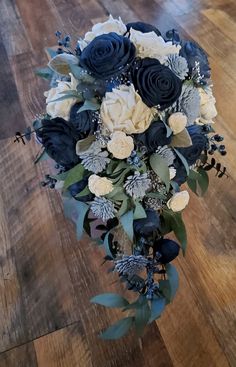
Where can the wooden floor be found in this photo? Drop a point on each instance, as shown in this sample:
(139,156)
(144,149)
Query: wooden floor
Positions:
(46,276)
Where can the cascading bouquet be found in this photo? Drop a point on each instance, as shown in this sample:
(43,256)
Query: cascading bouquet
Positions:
(128,121)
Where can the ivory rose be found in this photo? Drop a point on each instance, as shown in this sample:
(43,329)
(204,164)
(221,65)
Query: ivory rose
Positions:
(110,25)
(60,108)
(177,122)
(178,201)
(151,45)
(120,145)
(123,110)
(99,185)
(207,105)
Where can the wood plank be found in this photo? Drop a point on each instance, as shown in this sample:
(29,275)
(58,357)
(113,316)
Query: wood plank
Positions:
(222,21)
(11,115)
(23,356)
(12,29)
(49,276)
(68,348)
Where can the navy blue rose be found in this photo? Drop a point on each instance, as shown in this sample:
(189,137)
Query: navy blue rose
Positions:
(156,83)
(107,55)
(199,143)
(143,27)
(146,226)
(193,53)
(84,122)
(153,137)
(167,249)
(59,139)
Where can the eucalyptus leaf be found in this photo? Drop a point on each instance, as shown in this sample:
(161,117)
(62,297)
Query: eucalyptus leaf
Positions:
(117,330)
(160,167)
(173,278)
(110,300)
(61,63)
(45,73)
(84,144)
(183,160)
(81,209)
(165,289)
(41,157)
(89,105)
(142,315)
(107,245)
(157,307)
(169,132)
(75,174)
(124,207)
(127,224)
(51,52)
(181,140)
(139,211)
(67,95)
(69,207)
(76,71)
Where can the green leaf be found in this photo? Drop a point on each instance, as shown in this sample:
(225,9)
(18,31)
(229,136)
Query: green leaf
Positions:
(89,105)
(202,182)
(173,278)
(82,209)
(127,224)
(198,181)
(110,300)
(117,330)
(111,166)
(192,184)
(61,176)
(139,211)
(75,174)
(142,315)
(84,144)
(84,192)
(157,307)
(177,225)
(106,244)
(45,73)
(183,160)
(160,167)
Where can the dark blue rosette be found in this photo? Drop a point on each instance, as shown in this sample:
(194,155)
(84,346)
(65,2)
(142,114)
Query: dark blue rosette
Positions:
(156,83)
(107,55)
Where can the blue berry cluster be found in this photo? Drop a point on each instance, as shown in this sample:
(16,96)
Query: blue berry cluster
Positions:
(62,41)
(214,147)
(134,159)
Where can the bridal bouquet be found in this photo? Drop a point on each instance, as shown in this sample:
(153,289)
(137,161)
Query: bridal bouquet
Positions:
(129,120)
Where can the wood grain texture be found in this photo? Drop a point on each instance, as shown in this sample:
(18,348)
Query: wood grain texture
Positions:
(46,276)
